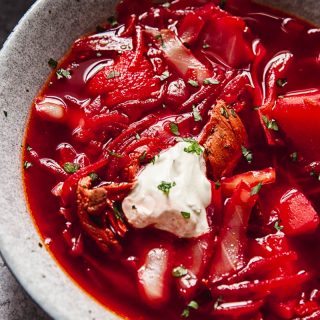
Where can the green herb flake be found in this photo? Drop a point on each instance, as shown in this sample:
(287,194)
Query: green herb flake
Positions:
(27,165)
(193,305)
(282,82)
(217,184)
(165,187)
(113,74)
(193,83)
(247,154)
(179,272)
(63,73)
(185,313)
(117,212)
(93,176)
(166,5)
(277,225)
(233,113)
(114,154)
(270,124)
(209,81)
(165,75)
(185,214)
(112,21)
(205,46)
(194,147)
(224,112)
(174,129)
(255,190)
(160,39)
(153,160)
(143,156)
(294,156)
(52,63)
(5,113)
(196,114)
(70,167)
(138,136)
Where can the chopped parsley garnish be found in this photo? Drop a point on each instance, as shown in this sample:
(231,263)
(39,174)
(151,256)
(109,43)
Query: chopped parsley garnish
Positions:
(166,5)
(185,214)
(153,160)
(185,313)
(117,212)
(194,147)
(93,176)
(174,129)
(233,113)
(114,154)
(138,136)
(205,46)
(210,81)
(165,75)
(159,37)
(217,184)
(112,21)
(224,112)
(196,114)
(165,187)
(277,225)
(255,190)
(294,156)
(63,73)
(193,83)
(5,113)
(270,124)
(247,154)
(143,156)
(191,305)
(52,63)
(27,165)
(282,82)
(70,167)
(112,74)
(179,272)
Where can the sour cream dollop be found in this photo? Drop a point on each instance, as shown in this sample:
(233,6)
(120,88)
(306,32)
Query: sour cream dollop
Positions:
(171,194)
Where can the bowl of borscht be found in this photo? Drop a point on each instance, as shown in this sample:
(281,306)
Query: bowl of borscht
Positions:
(161,159)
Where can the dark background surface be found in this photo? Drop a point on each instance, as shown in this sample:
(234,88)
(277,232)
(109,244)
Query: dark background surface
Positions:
(14,302)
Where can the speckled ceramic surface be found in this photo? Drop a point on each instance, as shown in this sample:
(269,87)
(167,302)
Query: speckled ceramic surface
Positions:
(46,31)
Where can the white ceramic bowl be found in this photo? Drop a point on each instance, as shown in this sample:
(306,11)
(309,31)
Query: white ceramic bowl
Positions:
(47,30)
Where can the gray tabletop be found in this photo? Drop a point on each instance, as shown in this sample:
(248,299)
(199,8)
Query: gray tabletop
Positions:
(14,302)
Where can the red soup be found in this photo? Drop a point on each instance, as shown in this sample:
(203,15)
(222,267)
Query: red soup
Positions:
(172,162)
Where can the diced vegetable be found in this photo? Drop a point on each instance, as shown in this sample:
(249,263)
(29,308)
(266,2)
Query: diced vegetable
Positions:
(154,276)
(51,109)
(226,39)
(299,117)
(230,252)
(190,28)
(297,214)
(252,178)
(179,56)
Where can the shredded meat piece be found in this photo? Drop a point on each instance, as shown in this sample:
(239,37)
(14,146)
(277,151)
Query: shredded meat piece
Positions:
(222,138)
(96,202)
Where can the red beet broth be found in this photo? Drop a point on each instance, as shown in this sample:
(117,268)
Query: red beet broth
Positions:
(276,76)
